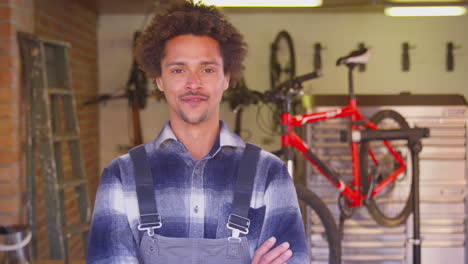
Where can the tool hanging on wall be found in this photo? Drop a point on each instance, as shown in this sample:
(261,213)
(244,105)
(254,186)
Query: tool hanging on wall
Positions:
(450,57)
(318,57)
(52,114)
(405,56)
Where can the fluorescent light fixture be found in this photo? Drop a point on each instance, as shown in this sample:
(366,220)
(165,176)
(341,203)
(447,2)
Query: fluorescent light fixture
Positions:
(425,9)
(264,3)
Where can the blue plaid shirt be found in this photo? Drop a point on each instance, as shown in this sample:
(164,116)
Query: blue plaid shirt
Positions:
(194,199)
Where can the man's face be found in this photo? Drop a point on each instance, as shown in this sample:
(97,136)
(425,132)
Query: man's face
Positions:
(192,78)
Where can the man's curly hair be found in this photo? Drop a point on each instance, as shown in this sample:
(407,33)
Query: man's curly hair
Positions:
(196,19)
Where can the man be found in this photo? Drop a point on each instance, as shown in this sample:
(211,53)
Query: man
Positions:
(194,53)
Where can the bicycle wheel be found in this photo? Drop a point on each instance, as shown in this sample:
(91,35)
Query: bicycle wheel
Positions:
(282,59)
(393,204)
(316,207)
(282,68)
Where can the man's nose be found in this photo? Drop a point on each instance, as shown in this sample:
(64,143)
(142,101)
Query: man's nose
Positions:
(193,81)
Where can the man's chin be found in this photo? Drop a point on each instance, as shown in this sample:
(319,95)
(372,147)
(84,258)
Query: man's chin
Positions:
(193,120)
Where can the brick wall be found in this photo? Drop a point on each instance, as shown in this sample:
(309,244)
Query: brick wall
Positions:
(63,20)
(14,15)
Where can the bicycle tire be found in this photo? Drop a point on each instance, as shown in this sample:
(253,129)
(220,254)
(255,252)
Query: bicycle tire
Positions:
(282,68)
(382,206)
(331,233)
(276,69)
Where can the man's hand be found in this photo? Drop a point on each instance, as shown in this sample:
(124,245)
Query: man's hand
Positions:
(278,255)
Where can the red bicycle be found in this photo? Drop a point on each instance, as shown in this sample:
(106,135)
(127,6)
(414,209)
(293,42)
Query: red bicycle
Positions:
(383,155)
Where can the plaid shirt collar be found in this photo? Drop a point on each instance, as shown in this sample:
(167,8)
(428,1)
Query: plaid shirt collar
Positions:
(225,137)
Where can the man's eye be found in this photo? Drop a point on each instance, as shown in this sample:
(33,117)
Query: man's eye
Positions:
(177,71)
(208,70)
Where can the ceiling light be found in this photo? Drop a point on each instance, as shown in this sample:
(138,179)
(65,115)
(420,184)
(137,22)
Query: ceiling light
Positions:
(425,9)
(264,3)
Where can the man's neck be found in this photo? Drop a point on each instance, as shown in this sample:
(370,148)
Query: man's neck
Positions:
(198,139)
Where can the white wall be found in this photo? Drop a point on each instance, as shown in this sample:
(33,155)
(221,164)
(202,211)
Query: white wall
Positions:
(339,33)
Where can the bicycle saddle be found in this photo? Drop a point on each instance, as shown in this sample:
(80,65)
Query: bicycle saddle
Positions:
(360,56)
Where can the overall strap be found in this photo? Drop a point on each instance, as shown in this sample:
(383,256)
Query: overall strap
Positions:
(238,220)
(149,217)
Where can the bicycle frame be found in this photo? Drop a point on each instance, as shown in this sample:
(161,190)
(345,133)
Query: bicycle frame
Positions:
(290,139)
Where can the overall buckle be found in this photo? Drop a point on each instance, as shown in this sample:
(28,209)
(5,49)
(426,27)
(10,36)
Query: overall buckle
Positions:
(149,222)
(238,224)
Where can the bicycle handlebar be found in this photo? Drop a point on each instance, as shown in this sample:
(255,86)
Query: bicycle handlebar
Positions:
(277,94)
(297,81)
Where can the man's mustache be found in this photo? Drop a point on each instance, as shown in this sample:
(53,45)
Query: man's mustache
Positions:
(193,93)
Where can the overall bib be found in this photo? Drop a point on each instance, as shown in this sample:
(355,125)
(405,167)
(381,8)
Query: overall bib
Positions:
(157,249)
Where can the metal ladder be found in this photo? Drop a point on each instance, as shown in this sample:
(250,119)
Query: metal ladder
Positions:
(53,135)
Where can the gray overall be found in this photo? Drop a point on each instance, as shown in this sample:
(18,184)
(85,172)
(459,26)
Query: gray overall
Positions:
(157,249)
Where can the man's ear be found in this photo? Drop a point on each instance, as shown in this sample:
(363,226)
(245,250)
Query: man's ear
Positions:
(158,83)
(227,78)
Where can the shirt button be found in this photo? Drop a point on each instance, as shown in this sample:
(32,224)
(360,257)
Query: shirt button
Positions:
(195,209)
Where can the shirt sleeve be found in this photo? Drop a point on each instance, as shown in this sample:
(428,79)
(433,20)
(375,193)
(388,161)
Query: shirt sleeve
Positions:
(283,218)
(111,239)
